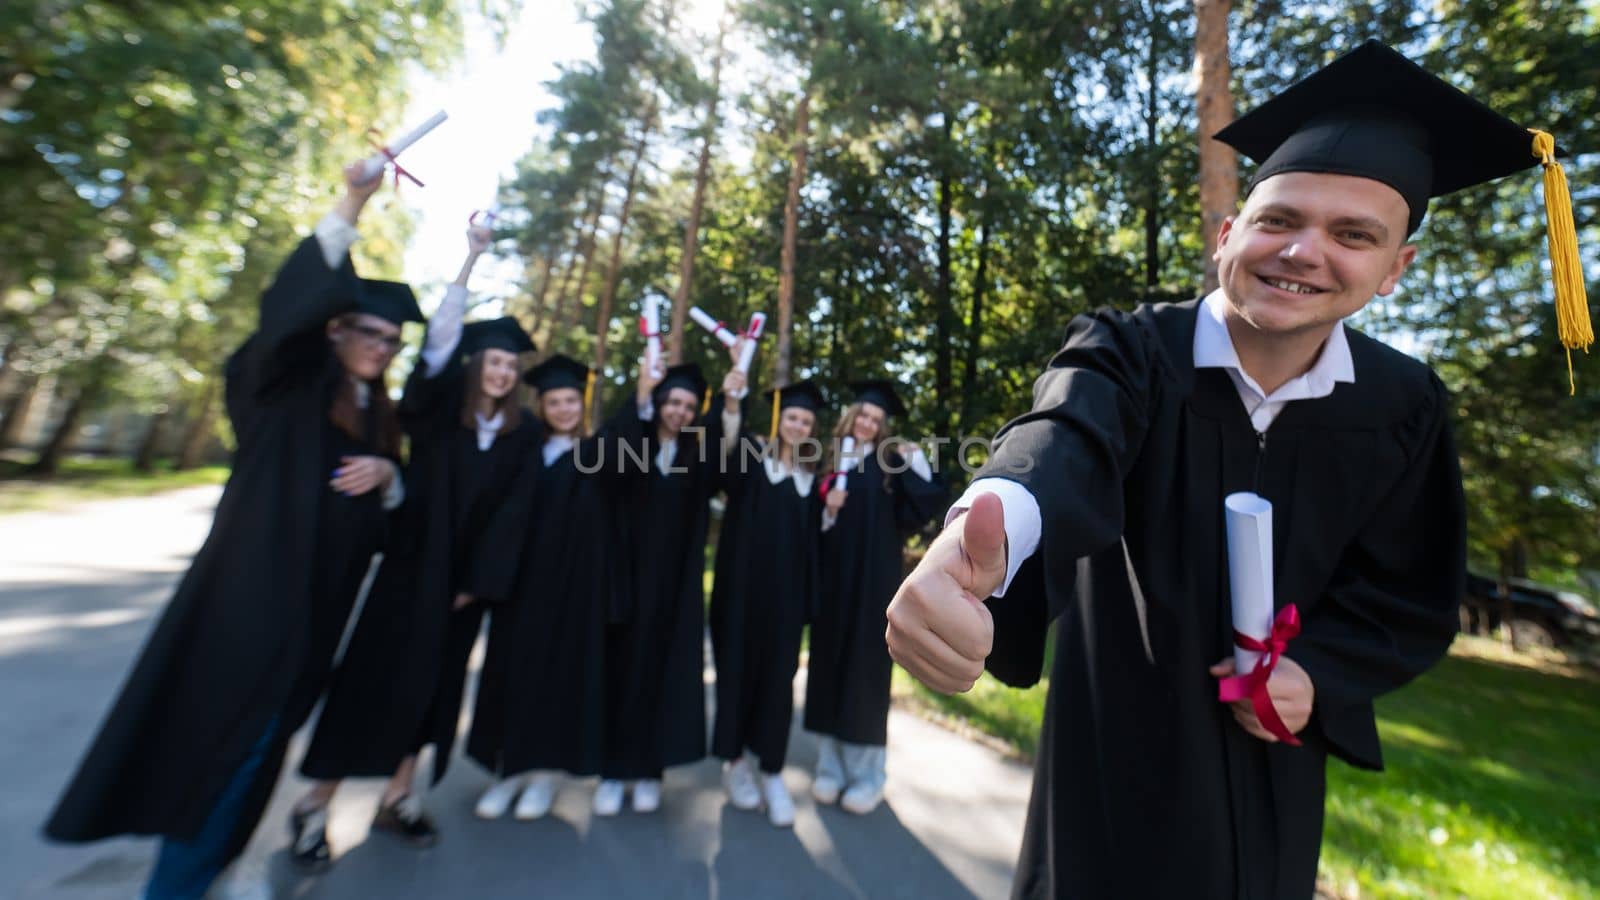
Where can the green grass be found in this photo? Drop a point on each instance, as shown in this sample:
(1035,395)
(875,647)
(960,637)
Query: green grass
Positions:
(1492,788)
(81,479)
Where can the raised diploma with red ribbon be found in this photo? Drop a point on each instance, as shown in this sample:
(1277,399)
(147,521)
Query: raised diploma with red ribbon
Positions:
(373,166)
(752,335)
(650,327)
(1259,637)
(847,449)
(718,330)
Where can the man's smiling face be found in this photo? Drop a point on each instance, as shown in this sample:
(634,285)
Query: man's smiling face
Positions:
(1309,249)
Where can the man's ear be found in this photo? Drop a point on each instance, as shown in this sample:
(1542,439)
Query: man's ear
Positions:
(1222,237)
(1402,260)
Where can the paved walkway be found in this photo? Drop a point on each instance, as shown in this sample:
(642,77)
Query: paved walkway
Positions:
(80,588)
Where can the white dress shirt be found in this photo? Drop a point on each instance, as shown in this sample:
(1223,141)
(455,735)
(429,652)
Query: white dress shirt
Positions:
(1213,348)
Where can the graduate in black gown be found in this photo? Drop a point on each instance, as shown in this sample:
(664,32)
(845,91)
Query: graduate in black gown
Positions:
(879,491)
(765,592)
(655,696)
(398,687)
(540,706)
(192,747)
(1104,513)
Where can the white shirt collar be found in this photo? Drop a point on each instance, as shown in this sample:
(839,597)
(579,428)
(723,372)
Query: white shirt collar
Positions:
(777,472)
(488,429)
(555,445)
(1213,349)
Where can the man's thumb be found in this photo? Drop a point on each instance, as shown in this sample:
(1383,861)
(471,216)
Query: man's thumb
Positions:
(983,534)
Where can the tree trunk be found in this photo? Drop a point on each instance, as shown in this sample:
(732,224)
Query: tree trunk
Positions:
(691,229)
(944,314)
(144,459)
(55,448)
(17,411)
(1503,587)
(1219,166)
(1152,209)
(202,419)
(791,223)
(537,314)
(608,296)
(980,284)
(582,247)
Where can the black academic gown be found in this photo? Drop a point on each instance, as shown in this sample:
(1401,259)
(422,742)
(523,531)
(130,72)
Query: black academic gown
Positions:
(655,694)
(248,638)
(764,594)
(399,686)
(848,672)
(541,693)
(1144,785)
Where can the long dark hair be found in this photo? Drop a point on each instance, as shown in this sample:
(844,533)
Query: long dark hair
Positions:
(348,416)
(472,391)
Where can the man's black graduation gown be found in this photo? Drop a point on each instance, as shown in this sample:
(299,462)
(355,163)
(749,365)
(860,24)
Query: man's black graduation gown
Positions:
(249,636)
(765,592)
(847,676)
(541,694)
(1144,784)
(656,659)
(399,685)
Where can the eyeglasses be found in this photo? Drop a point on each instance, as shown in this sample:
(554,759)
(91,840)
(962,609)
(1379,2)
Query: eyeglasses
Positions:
(372,337)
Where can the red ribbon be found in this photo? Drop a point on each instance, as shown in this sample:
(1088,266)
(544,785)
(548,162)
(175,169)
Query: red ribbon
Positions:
(399,170)
(827,484)
(644,329)
(1253,684)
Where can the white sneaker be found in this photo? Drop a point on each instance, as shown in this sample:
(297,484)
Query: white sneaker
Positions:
(740,784)
(536,798)
(780,806)
(825,789)
(608,798)
(862,798)
(497,799)
(646,795)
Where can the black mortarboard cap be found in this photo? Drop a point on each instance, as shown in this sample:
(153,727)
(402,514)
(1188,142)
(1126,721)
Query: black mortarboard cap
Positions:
(1372,113)
(686,376)
(558,372)
(879,393)
(503,333)
(391,301)
(804,394)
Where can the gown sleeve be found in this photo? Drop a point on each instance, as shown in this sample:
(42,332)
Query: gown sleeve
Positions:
(1391,610)
(1072,452)
(294,312)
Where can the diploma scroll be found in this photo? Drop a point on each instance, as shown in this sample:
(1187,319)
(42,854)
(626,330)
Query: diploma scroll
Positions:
(758,321)
(650,327)
(1259,635)
(717,329)
(847,449)
(373,166)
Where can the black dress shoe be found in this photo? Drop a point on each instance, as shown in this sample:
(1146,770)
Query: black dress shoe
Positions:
(413,827)
(308,845)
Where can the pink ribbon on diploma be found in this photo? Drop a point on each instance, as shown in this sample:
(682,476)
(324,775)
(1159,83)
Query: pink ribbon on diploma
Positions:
(399,170)
(1253,684)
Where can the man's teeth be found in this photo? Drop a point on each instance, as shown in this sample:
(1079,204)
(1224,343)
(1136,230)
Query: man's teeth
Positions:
(1291,287)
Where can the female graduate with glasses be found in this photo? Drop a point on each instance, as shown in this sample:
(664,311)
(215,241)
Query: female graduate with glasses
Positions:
(874,498)
(656,659)
(398,687)
(765,592)
(191,749)
(540,706)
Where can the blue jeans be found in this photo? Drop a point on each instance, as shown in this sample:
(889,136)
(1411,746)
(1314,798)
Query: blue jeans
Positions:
(185,869)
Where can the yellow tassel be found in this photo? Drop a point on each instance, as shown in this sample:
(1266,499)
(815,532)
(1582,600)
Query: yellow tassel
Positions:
(705,402)
(1572,300)
(772,434)
(588,391)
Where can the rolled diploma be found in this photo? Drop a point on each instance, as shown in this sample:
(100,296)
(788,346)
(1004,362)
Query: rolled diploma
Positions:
(1249,525)
(652,333)
(375,163)
(847,447)
(748,352)
(717,329)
